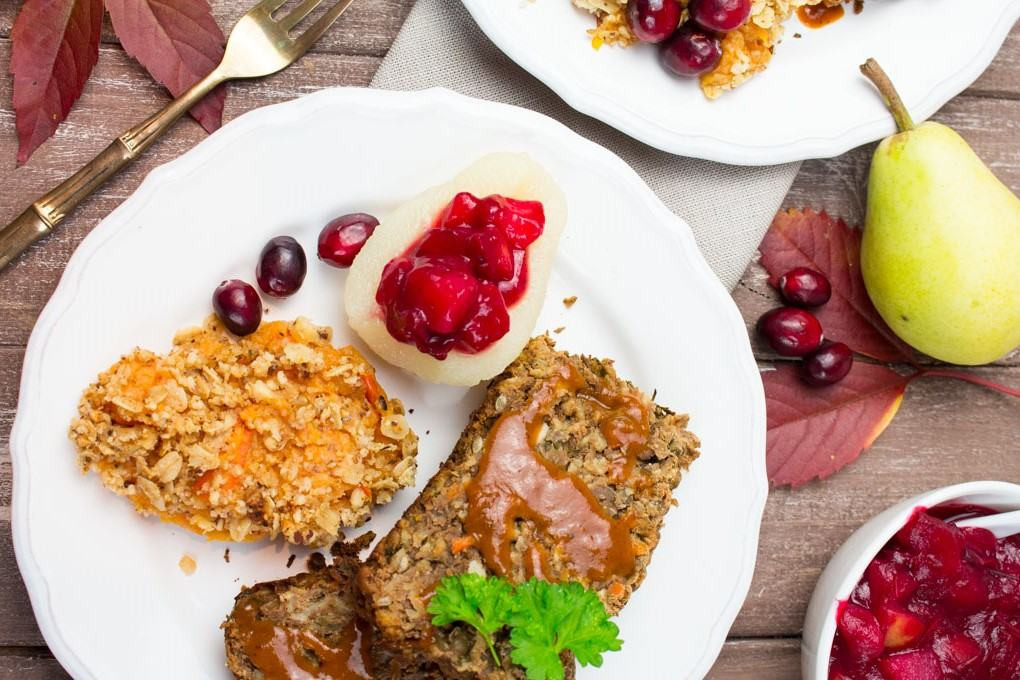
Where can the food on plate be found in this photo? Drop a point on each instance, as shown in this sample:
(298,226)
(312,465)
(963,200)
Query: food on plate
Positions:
(565,473)
(303,626)
(725,42)
(938,601)
(450,285)
(276,433)
(941,241)
(238,306)
(342,239)
(546,622)
(282,267)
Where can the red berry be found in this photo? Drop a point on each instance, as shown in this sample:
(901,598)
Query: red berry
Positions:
(790,331)
(459,211)
(341,240)
(653,20)
(827,365)
(493,257)
(447,297)
(238,306)
(691,51)
(490,323)
(720,15)
(282,267)
(805,287)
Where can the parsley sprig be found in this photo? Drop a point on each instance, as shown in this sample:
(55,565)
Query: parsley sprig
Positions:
(545,620)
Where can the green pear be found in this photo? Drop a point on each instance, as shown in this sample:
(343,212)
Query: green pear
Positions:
(941,246)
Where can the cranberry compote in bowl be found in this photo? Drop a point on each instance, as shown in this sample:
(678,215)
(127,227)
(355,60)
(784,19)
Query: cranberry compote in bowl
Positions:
(910,595)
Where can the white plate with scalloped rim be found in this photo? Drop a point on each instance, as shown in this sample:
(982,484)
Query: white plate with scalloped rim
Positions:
(811,102)
(105,583)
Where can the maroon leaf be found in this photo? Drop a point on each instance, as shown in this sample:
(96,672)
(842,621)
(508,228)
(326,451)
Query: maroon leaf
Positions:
(56,44)
(810,239)
(813,432)
(178,43)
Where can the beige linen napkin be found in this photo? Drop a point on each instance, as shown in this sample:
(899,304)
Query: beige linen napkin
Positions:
(728,207)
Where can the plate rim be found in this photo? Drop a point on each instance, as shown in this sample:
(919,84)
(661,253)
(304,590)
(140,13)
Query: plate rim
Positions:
(66,292)
(712,148)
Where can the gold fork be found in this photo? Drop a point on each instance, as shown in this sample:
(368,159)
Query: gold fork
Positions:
(258,45)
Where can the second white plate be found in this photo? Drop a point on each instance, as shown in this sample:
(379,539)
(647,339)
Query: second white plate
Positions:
(811,102)
(105,583)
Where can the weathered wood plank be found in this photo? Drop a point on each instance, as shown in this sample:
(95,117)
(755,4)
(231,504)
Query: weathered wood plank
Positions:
(768,659)
(367,28)
(31,664)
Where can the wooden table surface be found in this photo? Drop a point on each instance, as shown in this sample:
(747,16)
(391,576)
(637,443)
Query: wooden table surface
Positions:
(946,431)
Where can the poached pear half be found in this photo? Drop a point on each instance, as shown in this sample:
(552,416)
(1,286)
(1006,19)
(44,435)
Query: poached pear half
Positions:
(941,246)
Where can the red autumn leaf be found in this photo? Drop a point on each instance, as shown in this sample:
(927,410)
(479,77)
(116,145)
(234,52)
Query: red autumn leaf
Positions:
(810,239)
(813,432)
(178,43)
(56,44)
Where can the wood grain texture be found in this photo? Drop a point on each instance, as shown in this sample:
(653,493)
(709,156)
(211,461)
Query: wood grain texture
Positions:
(945,432)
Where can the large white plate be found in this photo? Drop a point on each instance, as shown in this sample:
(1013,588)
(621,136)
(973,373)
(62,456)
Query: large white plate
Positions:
(810,103)
(105,583)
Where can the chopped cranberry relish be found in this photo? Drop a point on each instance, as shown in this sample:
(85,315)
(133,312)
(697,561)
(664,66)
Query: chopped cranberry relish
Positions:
(452,288)
(939,602)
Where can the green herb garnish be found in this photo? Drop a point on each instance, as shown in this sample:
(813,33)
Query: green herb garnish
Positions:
(482,603)
(545,620)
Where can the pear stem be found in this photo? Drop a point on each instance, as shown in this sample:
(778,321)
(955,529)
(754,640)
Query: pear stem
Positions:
(878,77)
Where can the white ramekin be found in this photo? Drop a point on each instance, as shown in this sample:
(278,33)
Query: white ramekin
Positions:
(848,564)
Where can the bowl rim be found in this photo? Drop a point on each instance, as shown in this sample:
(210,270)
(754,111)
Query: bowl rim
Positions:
(820,621)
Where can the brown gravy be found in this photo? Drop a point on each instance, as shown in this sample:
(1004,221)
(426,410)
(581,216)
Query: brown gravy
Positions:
(283,653)
(817,16)
(514,482)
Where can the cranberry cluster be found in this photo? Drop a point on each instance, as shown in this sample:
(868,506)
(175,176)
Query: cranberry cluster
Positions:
(453,287)
(282,267)
(795,332)
(938,602)
(695,47)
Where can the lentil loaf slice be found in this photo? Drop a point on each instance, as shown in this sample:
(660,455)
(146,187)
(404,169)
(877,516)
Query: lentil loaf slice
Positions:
(430,541)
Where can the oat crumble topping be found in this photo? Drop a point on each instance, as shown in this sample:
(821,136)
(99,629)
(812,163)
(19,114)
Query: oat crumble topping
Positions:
(276,433)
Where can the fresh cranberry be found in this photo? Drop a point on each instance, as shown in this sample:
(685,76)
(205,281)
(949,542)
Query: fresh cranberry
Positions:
(827,365)
(342,239)
(691,51)
(446,296)
(282,267)
(653,20)
(860,631)
(790,331)
(805,287)
(238,306)
(721,16)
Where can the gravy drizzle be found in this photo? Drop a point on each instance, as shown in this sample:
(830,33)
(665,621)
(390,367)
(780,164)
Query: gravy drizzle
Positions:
(514,482)
(816,16)
(283,653)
